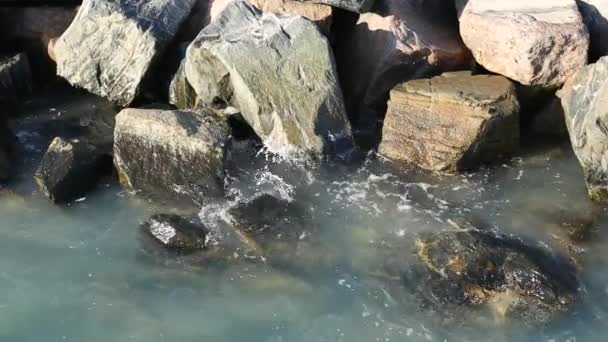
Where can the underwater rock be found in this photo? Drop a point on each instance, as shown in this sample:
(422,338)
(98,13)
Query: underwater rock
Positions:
(171,153)
(96,51)
(176,233)
(15,79)
(493,272)
(358,6)
(595,16)
(397,41)
(451,123)
(70,168)
(278,71)
(540,42)
(584,99)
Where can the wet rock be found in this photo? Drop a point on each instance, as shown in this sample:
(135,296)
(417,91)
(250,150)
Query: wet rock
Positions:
(451,123)
(171,154)
(176,233)
(181,93)
(493,272)
(595,16)
(549,120)
(278,71)
(402,40)
(6,149)
(535,43)
(70,168)
(584,99)
(15,79)
(96,51)
(358,6)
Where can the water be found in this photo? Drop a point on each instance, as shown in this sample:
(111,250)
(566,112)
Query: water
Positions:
(82,272)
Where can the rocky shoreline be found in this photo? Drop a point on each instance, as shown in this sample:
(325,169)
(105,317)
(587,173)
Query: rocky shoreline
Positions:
(432,85)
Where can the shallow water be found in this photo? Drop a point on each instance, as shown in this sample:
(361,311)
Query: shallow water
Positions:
(81,272)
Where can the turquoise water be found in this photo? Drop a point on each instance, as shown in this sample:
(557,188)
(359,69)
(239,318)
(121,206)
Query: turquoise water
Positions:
(82,272)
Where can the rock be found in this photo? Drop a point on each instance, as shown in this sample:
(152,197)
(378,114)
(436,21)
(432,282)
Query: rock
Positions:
(451,123)
(549,120)
(15,79)
(278,71)
(490,271)
(402,40)
(181,93)
(320,14)
(7,140)
(595,16)
(171,154)
(358,6)
(539,43)
(584,99)
(96,51)
(69,169)
(176,233)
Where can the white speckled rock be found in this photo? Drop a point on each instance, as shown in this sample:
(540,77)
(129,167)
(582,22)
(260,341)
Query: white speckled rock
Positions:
(112,44)
(540,42)
(171,153)
(278,71)
(585,100)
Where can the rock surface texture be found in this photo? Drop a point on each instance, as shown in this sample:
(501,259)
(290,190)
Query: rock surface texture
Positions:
(176,233)
(278,71)
(15,79)
(540,42)
(585,99)
(595,16)
(171,153)
(359,6)
(69,169)
(397,41)
(451,122)
(111,45)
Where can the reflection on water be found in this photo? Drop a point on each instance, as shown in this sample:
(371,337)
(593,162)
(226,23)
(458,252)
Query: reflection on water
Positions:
(80,273)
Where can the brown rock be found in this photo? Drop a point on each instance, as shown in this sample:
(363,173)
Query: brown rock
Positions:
(398,41)
(540,42)
(451,123)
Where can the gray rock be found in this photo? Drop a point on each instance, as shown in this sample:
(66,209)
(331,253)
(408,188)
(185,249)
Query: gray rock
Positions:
(70,168)
(176,233)
(15,79)
(171,154)
(451,123)
(585,99)
(595,16)
(277,71)
(111,45)
(358,6)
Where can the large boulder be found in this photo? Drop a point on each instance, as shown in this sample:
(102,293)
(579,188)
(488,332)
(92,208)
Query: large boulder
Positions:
(171,154)
(70,168)
(98,50)
(538,43)
(397,41)
(278,71)
(15,79)
(451,122)
(358,6)
(585,99)
(595,15)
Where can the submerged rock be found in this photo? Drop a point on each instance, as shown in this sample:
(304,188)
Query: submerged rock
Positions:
(171,153)
(584,99)
(489,271)
(398,41)
(595,16)
(15,79)
(70,168)
(451,122)
(278,71)
(96,51)
(540,42)
(176,233)
(358,6)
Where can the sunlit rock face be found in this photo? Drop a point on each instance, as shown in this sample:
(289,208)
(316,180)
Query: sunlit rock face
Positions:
(111,45)
(585,99)
(171,154)
(539,43)
(278,71)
